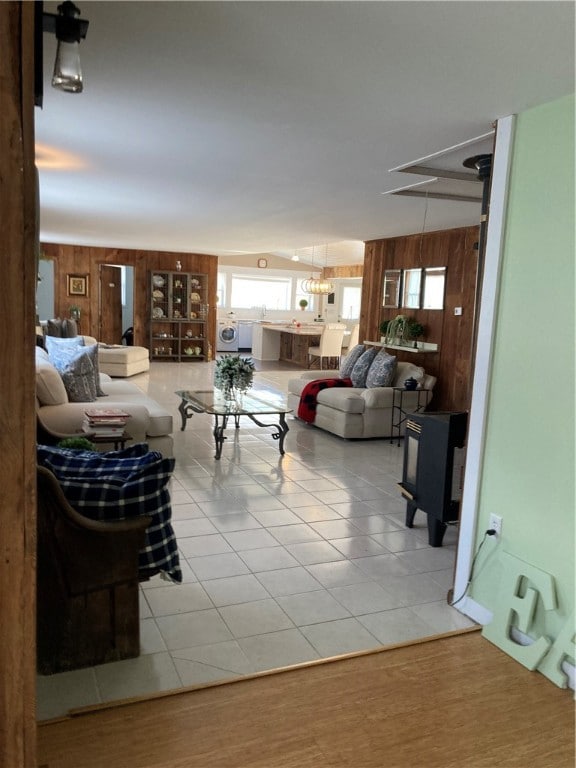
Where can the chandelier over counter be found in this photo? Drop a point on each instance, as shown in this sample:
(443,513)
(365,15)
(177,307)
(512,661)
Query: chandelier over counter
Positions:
(318,286)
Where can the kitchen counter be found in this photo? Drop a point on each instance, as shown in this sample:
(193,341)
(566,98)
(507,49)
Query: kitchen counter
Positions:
(284,341)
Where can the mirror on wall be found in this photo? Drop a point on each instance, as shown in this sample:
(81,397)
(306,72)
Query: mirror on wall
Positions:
(392,282)
(411,290)
(434,285)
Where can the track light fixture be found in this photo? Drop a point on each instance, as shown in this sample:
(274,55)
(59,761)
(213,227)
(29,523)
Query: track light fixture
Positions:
(69,30)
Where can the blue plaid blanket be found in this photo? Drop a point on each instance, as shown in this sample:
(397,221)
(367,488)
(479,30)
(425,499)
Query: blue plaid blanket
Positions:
(117,485)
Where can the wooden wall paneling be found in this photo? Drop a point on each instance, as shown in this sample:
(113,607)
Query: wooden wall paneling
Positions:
(78,259)
(18,209)
(354,270)
(453,249)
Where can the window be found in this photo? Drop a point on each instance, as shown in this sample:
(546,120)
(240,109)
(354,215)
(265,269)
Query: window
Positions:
(221,290)
(299,294)
(350,306)
(272,293)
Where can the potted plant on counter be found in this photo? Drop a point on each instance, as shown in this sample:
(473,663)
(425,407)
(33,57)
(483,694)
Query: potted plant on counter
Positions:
(303,303)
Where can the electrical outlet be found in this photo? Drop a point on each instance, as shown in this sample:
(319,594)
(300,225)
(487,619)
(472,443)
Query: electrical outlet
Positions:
(495,523)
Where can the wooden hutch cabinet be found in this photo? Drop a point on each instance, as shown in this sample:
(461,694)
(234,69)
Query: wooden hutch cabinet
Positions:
(178,316)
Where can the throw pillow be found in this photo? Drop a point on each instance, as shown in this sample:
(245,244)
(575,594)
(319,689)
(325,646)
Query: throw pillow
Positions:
(69,328)
(118,492)
(54,327)
(60,350)
(78,378)
(362,366)
(350,360)
(382,370)
(96,363)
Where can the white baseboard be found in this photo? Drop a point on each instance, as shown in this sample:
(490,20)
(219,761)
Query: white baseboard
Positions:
(474,611)
(483,616)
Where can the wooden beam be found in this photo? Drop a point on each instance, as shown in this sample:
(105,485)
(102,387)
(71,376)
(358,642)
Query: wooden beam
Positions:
(17,387)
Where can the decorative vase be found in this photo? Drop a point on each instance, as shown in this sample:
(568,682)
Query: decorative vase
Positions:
(237,398)
(410,383)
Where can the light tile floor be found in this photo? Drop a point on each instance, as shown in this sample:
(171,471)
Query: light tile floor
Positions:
(285,559)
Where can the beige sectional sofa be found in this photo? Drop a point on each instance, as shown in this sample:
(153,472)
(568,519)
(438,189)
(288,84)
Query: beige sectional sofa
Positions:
(359,412)
(120,361)
(149,422)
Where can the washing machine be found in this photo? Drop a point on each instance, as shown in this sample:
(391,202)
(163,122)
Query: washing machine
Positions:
(227,337)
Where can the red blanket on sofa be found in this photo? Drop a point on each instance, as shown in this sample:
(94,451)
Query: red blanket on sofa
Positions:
(308,398)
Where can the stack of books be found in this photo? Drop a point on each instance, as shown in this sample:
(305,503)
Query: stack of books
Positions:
(105,422)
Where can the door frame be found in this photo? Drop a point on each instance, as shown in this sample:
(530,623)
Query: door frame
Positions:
(496,231)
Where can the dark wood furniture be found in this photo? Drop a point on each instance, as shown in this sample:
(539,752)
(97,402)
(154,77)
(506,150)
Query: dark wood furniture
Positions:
(178,316)
(87,584)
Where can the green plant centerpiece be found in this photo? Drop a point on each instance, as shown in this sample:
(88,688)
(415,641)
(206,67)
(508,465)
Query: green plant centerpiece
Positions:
(396,329)
(303,303)
(402,330)
(233,376)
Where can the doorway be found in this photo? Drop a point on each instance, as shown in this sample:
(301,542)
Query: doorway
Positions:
(116,302)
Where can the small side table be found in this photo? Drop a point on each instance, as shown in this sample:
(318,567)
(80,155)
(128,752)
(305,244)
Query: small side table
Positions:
(118,441)
(399,415)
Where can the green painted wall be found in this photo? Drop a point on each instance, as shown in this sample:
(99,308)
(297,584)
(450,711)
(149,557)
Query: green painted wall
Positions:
(528,472)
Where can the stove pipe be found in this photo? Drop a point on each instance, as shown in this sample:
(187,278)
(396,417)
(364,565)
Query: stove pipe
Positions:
(483,164)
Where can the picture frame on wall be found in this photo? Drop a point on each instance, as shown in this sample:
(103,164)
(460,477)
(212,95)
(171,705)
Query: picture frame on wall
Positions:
(77,285)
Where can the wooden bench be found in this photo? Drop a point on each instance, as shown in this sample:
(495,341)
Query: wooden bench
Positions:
(87,584)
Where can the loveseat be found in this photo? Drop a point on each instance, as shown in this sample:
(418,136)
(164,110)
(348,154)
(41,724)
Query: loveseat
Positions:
(365,411)
(58,414)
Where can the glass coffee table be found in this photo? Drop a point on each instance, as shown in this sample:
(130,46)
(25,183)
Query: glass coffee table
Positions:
(252,406)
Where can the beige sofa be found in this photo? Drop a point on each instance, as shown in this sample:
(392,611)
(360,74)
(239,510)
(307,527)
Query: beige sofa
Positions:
(355,412)
(149,422)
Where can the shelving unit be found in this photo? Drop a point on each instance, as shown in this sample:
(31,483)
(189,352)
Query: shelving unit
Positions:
(178,316)
(423,346)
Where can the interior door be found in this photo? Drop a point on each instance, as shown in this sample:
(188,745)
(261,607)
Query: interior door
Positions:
(110,331)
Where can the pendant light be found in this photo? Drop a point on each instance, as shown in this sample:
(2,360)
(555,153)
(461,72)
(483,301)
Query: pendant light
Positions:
(69,30)
(318,286)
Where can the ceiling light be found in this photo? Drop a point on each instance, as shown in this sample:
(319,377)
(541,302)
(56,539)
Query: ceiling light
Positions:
(69,30)
(318,286)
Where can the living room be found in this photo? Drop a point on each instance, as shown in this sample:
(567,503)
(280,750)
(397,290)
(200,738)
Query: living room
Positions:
(502,481)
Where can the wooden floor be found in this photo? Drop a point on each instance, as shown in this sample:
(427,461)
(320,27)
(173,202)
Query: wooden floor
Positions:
(456,701)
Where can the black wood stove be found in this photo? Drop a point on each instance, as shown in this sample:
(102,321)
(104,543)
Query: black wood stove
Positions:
(432,477)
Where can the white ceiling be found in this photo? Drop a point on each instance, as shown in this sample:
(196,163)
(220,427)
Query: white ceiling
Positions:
(270,127)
